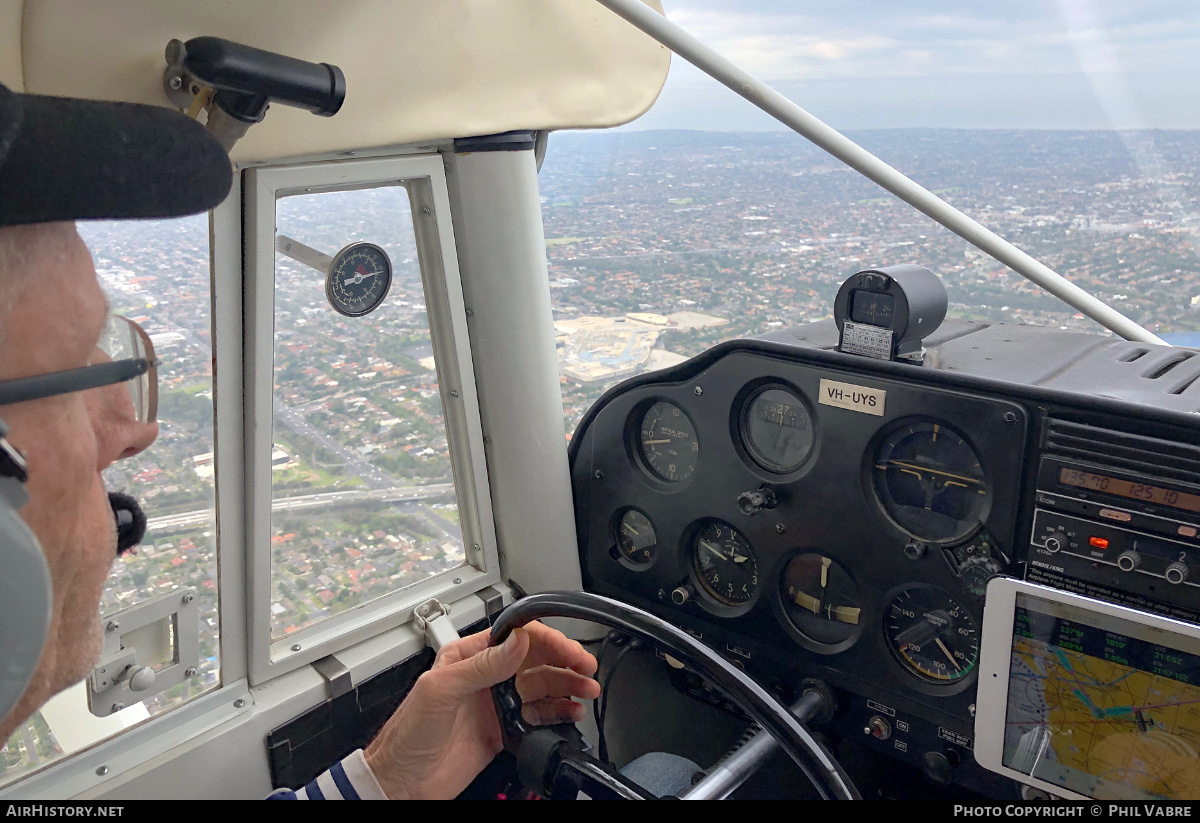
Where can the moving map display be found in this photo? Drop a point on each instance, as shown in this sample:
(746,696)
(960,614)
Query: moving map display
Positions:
(1103,706)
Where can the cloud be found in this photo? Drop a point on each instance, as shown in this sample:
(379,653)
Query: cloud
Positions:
(1016,64)
(868,38)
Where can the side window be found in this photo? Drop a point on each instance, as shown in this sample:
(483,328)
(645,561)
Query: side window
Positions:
(363,491)
(156,273)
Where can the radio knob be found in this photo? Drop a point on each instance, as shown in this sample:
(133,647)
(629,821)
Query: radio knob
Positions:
(1177,573)
(1127,561)
(1053,543)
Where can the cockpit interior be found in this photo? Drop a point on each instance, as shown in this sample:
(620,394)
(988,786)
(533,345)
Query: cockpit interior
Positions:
(778,540)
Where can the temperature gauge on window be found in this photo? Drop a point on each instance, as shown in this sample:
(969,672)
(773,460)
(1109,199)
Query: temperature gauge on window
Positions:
(359,279)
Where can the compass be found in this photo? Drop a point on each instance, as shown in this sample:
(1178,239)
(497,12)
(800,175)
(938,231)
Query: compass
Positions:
(359,279)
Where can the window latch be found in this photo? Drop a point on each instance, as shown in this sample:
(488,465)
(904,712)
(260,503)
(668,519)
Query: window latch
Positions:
(148,648)
(433,618)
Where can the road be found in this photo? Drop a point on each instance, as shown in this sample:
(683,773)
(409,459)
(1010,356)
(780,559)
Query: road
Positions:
(383,486)
(313,501)
(773,247)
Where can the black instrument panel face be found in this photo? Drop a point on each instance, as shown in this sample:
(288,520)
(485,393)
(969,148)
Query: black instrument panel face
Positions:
(877,509)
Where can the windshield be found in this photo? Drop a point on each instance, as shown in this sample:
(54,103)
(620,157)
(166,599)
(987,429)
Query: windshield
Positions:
(1063,127)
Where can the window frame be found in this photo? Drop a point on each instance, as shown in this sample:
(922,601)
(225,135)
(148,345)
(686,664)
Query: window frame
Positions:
(424,177)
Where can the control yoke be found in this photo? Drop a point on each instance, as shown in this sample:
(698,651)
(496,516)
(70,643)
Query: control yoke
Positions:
(236,83)
(554,762)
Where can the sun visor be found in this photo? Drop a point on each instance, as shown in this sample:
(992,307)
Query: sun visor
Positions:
(415,70)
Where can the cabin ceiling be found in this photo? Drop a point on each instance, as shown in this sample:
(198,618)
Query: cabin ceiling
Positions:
(415,70)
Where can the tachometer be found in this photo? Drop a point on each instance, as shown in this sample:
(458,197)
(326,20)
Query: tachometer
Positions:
(724,563)
(776,429)
(668,442)
(636,539)
(930,482)
(931,634)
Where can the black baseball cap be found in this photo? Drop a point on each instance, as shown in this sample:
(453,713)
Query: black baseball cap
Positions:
(70,159)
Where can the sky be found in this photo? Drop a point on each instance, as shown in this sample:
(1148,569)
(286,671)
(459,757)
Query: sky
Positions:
(862,64)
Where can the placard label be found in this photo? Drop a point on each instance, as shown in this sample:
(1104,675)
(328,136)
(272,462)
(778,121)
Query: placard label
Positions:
(869,341)
(855,398)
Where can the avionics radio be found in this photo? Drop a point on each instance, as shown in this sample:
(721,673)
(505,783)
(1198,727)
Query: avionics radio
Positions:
(1117,536)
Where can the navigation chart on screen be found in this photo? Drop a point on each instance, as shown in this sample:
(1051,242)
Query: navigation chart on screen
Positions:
(1102,713)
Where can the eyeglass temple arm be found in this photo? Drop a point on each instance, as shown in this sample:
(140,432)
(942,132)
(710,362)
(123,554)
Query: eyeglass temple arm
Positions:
(71,380)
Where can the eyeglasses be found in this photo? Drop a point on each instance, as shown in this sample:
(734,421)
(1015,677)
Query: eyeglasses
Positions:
(131,360)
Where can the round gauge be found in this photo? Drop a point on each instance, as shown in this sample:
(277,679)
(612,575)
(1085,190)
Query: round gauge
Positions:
(976,572)
(932,635)
(978,561)
(930,482)
(776,429)
(635,537)
(359,279)
(724,563)
(668,442)
(821,600)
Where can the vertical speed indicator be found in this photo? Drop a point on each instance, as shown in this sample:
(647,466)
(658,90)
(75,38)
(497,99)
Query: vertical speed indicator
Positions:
(667,440)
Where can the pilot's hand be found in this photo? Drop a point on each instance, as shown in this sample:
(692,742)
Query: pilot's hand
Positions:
(446,731)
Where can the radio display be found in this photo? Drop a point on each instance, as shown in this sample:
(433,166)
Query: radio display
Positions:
(1126,488)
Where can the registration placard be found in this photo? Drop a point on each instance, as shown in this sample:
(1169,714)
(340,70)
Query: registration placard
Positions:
(853,397)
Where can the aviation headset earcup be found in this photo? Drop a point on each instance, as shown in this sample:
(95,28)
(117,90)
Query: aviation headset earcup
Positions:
(25,596)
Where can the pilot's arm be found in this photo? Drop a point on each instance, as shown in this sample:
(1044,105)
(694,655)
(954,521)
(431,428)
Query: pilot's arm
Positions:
(446,731)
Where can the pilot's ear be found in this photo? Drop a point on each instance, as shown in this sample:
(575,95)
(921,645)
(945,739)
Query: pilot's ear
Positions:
(25,594)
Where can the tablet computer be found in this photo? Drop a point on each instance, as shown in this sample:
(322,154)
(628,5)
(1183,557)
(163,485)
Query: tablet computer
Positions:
(1086,699)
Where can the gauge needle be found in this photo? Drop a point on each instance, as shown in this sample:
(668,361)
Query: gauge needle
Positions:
(825,561)
(844,614)
(652,442)
(631,528)
(714,550)
(807,601)
(916,469)
(946,652)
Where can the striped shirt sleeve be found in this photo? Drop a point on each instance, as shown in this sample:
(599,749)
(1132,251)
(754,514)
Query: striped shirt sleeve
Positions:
(351,779)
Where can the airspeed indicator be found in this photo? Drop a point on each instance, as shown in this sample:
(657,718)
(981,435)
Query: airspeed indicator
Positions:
(931,634)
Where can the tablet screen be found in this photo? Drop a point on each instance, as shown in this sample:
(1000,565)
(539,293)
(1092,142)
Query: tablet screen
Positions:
(1101,705)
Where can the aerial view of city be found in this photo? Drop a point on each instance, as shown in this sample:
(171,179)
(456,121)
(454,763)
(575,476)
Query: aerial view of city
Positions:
(659,245)
(756,231)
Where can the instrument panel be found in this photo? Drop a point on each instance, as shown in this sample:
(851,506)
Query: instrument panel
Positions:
(813,514)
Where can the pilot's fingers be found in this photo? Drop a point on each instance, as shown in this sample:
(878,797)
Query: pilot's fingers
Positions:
(468,646)
(495,664)
(551,646)
(552,710)
(552,681)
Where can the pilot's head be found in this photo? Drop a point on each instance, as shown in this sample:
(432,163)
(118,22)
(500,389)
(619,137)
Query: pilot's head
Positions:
(75,383)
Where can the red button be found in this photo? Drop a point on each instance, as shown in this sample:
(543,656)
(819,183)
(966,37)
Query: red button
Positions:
(1098,542)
